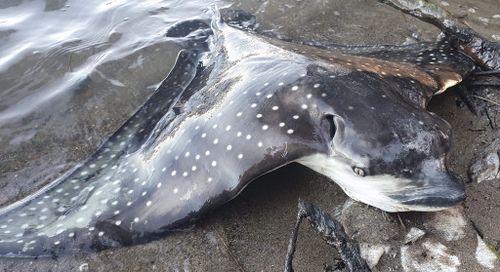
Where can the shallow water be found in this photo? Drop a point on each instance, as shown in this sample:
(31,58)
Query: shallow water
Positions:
(71,72)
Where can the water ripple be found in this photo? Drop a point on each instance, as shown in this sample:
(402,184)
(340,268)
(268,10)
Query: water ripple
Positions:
(58,44)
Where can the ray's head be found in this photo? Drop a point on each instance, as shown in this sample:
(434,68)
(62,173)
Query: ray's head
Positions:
(390,154)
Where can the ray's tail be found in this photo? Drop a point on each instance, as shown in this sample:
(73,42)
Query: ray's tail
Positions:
(486,53)
(77,212)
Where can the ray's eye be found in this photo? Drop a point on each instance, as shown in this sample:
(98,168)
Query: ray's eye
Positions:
(358,171)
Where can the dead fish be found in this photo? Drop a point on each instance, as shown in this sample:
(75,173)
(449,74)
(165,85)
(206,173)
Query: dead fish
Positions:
(236,106)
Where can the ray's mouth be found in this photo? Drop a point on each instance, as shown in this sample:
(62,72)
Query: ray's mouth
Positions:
(441,194)
(436,195)
(438,199)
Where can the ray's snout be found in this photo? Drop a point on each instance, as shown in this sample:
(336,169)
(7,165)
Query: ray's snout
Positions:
(433,193)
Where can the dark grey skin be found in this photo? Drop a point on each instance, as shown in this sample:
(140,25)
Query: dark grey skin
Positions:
(356,115)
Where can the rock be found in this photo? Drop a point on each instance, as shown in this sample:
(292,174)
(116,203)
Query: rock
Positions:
(485,168)
(450,224)
(84,267)
(413,235)
(372,253)
(430,256)
(368,224)
(484,255)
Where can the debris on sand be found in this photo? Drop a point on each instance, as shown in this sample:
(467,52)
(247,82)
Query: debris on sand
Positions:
(413,235)
(333,233)
(485,168)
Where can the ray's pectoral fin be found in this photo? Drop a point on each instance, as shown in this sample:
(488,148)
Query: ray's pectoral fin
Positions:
(78,211)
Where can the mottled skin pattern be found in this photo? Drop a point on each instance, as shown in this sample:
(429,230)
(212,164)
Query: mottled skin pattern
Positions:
(256,104)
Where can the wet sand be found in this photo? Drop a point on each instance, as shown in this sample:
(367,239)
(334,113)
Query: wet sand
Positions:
(251,232)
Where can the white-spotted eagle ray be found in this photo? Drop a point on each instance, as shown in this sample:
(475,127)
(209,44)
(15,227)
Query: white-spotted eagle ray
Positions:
(238,105)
